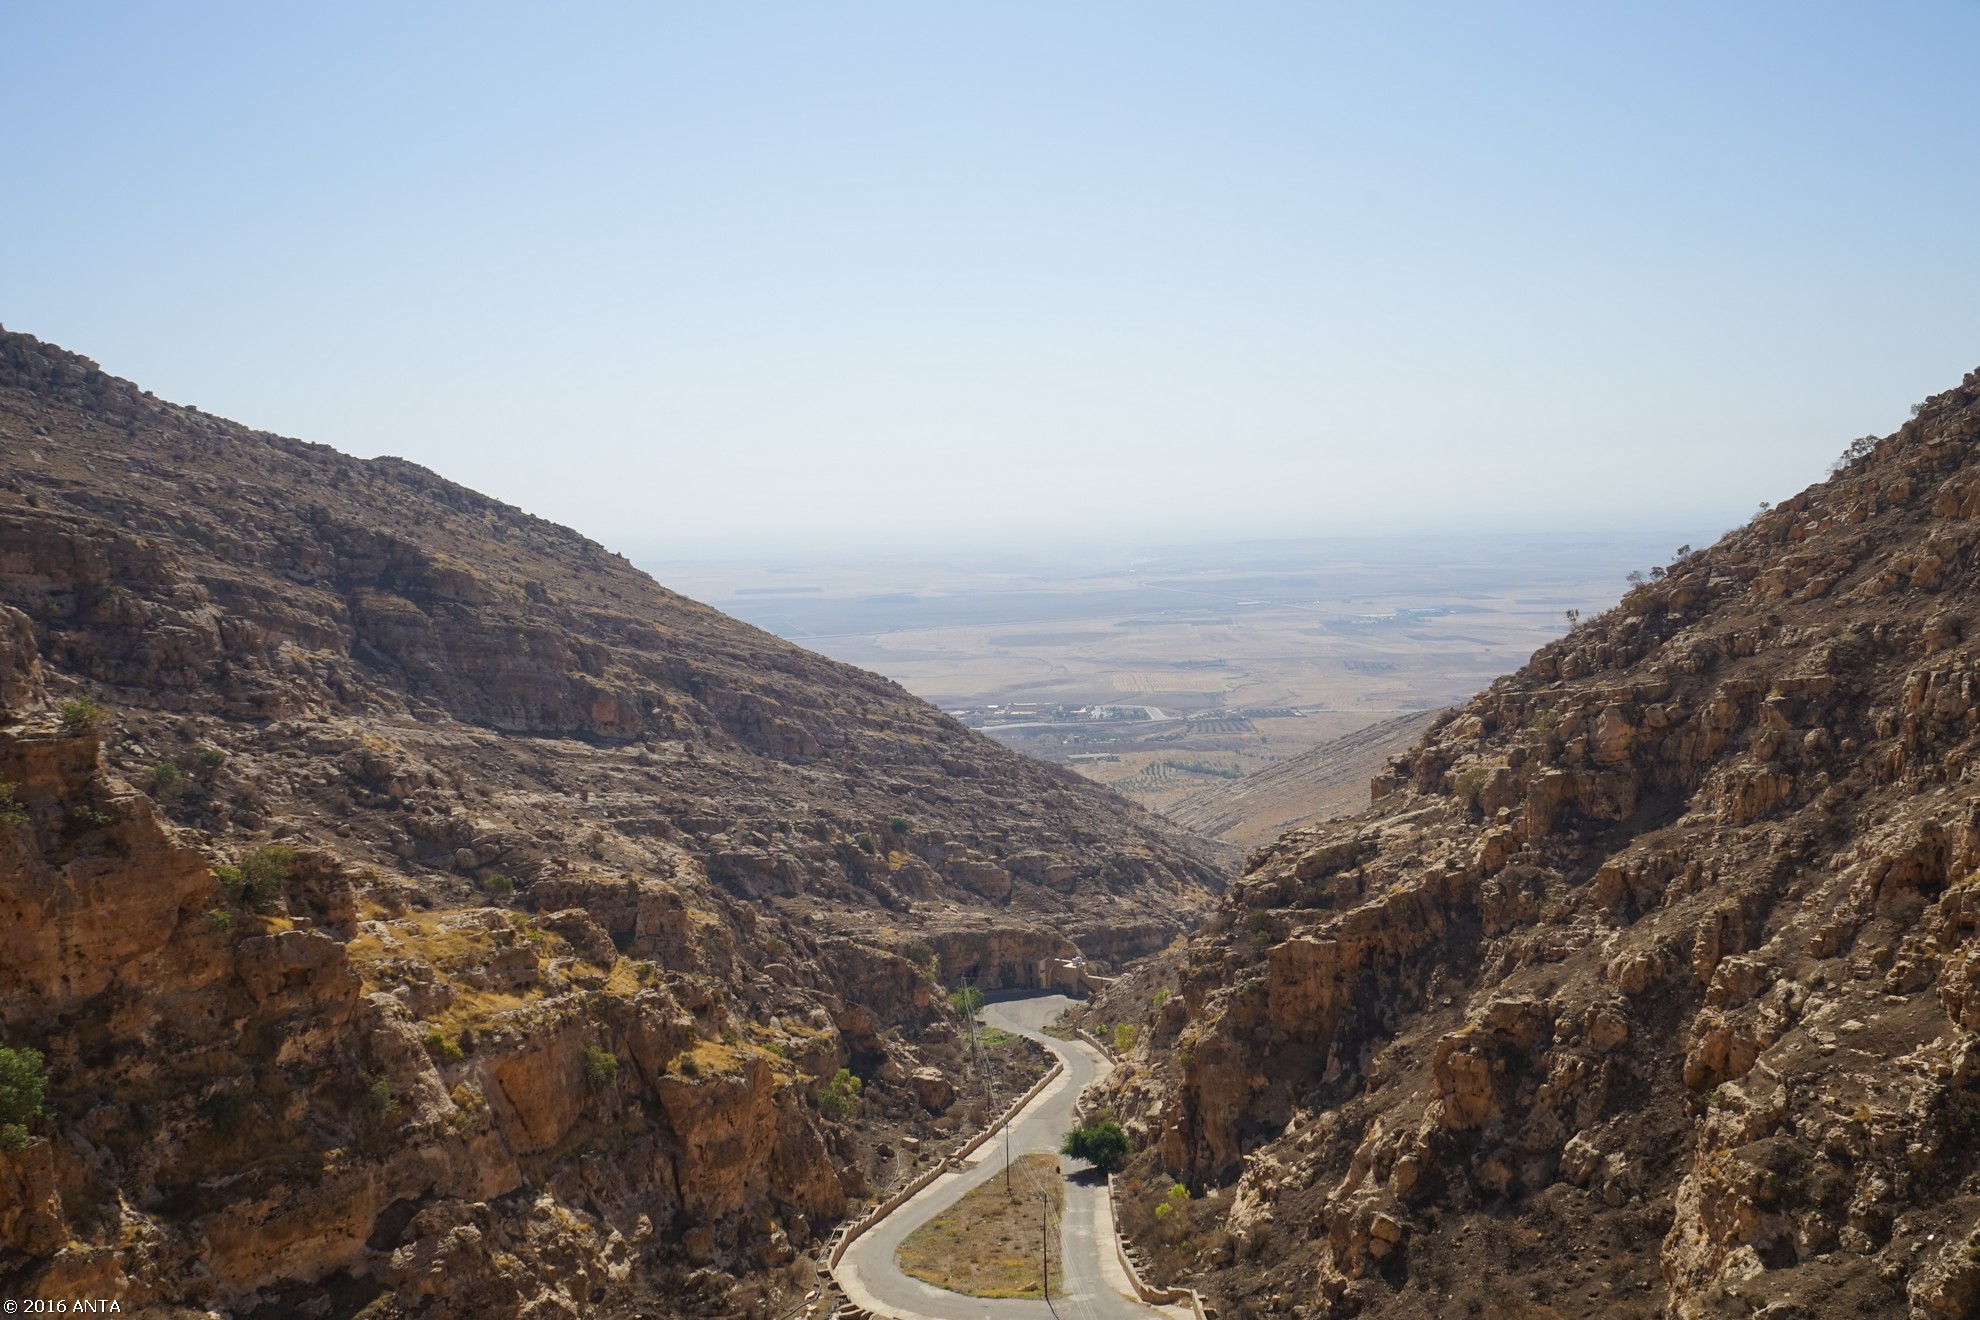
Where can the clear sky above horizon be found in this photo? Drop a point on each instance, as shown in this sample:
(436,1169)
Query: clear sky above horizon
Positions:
(747,277)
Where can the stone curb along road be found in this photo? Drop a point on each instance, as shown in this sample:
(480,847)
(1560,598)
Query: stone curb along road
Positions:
(1095,1286)
(844,1240)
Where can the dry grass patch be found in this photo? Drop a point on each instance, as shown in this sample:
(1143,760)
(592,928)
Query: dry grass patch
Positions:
(987,1244)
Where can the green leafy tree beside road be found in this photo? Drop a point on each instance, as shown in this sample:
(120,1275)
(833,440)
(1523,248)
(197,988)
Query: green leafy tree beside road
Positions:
(1103,1145)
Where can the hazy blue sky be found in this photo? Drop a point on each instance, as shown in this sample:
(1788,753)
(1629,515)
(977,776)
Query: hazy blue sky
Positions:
(735,275)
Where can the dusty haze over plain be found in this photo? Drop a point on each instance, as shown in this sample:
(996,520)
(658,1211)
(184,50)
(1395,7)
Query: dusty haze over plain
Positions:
(748,278)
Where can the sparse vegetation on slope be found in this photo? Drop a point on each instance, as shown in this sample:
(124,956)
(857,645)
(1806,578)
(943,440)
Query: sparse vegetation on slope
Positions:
(420,909)
(1647,985)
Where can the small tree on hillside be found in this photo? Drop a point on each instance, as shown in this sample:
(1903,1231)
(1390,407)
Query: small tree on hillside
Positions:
(22,1086)
(839,1097)
(257,880)
(967,1001)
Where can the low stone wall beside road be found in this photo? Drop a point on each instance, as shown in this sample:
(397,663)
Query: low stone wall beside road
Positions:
(902,1197)
(1148,1293)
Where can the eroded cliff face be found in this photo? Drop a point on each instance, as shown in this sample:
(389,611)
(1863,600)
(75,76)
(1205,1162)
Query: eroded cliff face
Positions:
(418,908)
(1647,984)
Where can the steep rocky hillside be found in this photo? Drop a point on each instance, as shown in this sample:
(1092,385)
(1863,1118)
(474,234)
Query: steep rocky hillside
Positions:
(414,906)
(1317,785)
(1650,982)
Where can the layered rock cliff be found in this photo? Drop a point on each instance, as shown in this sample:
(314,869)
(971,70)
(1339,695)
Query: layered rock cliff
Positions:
(1648,983)
(412,906)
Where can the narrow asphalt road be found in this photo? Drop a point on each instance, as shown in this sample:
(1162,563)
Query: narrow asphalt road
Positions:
(1094,1286)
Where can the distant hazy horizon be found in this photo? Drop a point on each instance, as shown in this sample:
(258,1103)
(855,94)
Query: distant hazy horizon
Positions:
(807,594)
(1282,645)
(709,279)
(719,560)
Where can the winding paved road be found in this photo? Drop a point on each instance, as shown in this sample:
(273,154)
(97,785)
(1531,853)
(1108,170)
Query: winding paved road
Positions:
(1094,1287)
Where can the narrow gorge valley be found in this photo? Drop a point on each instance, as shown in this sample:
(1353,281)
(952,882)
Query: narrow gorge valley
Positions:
(409,909)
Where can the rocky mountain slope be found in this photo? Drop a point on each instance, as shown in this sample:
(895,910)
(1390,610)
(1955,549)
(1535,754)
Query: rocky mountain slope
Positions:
(1650,982)
(1317,785)
(412,906)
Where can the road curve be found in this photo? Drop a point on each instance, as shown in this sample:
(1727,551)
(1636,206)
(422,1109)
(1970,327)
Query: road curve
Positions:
(1095,1287)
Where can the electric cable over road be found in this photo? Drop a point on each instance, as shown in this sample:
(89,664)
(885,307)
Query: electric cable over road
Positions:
(1090,1283)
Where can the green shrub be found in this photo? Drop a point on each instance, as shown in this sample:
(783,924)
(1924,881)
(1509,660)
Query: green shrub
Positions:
(967,1001)
(1125,1034)
(1104,1145)
(442,1049)
(166,781)
(378,1097)
(23,1084)
(14,1136)
(257,880)
(919,952)
(497,883)
(840,1097)
(898,825)
(601,1068)
(81,715)
(220,919)
(12,814)
(866,844)
(1161,996)
(82,820)
(212,758)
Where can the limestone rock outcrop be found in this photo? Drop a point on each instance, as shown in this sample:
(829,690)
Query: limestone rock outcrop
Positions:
(1647,984)
(418,910)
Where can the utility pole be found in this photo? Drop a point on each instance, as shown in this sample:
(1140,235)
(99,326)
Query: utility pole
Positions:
(1008,1193)
(975,1051)
(983,1070)
(1045,1242)
(992,1080)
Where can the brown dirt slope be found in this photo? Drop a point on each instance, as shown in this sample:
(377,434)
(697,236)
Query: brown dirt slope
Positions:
(445,917)
(1649,984)
(1317,785)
